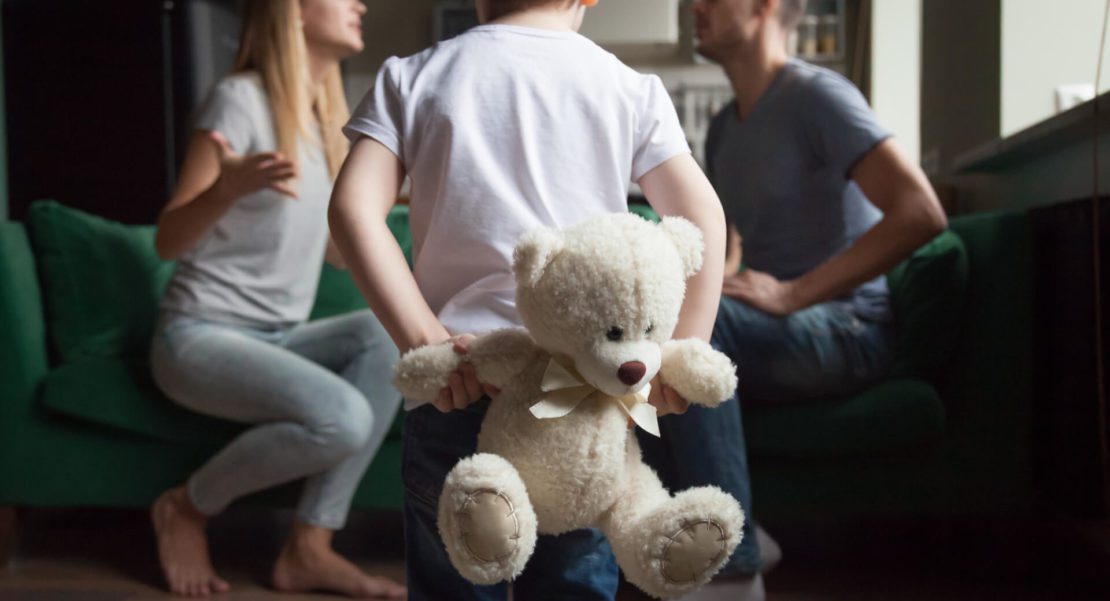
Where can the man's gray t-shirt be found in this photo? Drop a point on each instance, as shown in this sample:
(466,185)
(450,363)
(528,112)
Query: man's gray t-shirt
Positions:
(783,175)
(259,265)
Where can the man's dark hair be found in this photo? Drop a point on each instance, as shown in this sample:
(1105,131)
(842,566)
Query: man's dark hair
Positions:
(791,13)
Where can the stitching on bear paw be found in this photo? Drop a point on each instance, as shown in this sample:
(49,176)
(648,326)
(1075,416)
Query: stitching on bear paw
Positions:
(693,538)
(464,514)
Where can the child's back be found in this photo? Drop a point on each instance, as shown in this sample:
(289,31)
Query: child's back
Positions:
(505,129)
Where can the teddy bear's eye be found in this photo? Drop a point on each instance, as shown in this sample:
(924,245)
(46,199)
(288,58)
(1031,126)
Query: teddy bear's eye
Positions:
(614,333)
(651,328)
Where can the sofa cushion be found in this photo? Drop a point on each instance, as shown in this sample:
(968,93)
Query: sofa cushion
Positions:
(927,293)
(894,414)
(121,393)
(101,282)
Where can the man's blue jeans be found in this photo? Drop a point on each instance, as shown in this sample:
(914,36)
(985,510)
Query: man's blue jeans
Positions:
(822,351)
(577,565)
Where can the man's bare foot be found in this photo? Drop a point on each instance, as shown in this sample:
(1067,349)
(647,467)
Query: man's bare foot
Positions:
(183,546)
(308,563)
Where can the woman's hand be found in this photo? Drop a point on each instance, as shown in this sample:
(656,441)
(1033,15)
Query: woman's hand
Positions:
(241,175)
(464,387)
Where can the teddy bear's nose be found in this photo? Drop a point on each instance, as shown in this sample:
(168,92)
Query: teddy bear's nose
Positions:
(631,372)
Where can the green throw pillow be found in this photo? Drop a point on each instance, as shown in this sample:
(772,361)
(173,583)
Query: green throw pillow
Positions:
(101,281)
(927,292)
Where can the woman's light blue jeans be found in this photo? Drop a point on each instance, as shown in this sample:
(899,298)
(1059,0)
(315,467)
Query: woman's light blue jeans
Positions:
(319,394)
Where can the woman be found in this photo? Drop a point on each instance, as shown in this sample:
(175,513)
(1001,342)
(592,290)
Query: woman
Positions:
(248,227)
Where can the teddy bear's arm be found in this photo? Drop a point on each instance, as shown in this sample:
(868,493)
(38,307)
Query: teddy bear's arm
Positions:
(700,374)
(500,357)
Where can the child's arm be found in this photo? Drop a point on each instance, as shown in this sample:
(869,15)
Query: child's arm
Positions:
(365,190)
(679,188)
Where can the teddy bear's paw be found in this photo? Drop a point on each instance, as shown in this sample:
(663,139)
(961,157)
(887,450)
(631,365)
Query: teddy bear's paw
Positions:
(686,541)
(422,372)
(697,372)
(486,519)
(489,527)
(697,549)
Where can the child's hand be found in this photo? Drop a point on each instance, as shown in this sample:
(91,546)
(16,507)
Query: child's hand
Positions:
(242,175)
(464,386)
(665,399)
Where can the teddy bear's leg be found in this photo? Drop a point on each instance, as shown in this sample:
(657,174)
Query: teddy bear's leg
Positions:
(669,547)
(486,519)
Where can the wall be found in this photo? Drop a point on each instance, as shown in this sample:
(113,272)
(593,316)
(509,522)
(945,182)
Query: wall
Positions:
(896,70)
(3,128)
(633,22)
(1045,45)
(959,79)
(390,28)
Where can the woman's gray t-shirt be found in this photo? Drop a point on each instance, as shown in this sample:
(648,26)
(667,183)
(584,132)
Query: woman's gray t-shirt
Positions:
(784,176)
(259,265)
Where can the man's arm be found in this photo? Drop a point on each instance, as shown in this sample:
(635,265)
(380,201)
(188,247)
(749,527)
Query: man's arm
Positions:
(912,216)
(365,190)
(679,188)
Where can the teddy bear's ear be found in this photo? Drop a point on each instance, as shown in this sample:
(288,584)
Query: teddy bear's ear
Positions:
(687,240)
(534,253)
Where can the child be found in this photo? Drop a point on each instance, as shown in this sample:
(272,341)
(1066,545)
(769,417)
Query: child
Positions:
(517,124)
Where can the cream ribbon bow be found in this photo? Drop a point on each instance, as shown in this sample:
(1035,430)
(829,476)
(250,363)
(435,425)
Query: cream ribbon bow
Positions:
(566,390)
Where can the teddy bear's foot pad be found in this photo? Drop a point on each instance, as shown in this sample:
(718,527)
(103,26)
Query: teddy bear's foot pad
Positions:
(486,520)
(698,548)
(489,526)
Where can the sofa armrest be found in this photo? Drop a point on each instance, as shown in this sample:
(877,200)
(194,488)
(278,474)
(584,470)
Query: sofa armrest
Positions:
(23,358)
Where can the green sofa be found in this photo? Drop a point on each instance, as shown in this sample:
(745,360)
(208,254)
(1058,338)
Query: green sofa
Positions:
(82,424)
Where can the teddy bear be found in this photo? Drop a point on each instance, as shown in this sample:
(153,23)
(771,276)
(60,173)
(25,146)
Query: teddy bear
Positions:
(599,302)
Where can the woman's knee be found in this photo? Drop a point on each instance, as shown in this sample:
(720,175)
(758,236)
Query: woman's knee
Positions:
(344,422)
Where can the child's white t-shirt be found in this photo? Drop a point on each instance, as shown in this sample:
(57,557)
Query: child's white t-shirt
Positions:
(502,130)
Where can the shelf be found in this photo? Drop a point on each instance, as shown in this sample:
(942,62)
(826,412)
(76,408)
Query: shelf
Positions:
(1074,125)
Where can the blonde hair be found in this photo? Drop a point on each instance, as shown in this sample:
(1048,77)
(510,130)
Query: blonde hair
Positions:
(272,44)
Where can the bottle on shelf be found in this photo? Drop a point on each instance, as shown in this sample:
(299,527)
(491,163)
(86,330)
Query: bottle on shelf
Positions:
(828,34)
(808,36)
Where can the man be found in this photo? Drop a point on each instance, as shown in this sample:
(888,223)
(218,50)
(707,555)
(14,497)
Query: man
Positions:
(821,203)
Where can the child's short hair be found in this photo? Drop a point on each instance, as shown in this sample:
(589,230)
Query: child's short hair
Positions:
(500,8)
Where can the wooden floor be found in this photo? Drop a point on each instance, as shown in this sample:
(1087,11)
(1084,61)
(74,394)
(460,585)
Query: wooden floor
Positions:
(108,555)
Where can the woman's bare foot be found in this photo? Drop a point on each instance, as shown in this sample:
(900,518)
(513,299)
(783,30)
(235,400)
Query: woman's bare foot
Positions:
(308,563)
(183,546)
